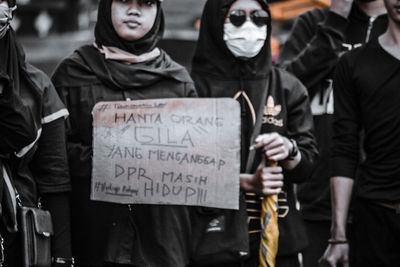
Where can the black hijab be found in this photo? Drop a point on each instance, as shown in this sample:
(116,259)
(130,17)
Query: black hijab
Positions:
(14,68)
(213,57)
(105,33)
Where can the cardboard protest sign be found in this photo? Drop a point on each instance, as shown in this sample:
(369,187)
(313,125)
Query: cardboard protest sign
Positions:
(182,151)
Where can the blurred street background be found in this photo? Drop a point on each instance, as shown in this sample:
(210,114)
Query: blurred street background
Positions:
(50,30)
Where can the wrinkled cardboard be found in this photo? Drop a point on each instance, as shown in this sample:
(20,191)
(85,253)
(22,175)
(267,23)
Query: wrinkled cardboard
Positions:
(182,151)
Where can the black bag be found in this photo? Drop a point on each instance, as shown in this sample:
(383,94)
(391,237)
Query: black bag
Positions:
(35,227)
(220,235)
(33,224)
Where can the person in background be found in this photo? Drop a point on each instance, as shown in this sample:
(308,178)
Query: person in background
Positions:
(32,142)
(123,64)
(366,98)
(233,59)
(317,40)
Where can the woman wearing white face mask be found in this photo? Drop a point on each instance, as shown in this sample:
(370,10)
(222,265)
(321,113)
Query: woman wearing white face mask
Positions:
(233,59)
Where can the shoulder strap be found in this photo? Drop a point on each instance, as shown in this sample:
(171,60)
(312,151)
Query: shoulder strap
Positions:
(9,201)
(260,112)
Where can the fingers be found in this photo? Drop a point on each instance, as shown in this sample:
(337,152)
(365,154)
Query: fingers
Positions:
(272,184)
(265,139)
(279,153)
(334,254)
(326,263)
(274,146)
(272,170)
(271,191)
(271,180)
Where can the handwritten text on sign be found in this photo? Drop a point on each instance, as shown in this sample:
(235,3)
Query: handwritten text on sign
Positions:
(167,151)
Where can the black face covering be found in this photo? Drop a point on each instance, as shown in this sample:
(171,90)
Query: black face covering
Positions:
(106,35)
(212,56)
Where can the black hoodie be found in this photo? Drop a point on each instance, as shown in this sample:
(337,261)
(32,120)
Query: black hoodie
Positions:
(150,235)
(284,109)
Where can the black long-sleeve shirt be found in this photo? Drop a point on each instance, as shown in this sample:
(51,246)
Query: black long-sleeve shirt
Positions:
(367,97)
(317,40)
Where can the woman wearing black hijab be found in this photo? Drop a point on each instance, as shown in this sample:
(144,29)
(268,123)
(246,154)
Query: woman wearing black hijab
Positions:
(233,59)
(17,123)
(123,64)
(35,161)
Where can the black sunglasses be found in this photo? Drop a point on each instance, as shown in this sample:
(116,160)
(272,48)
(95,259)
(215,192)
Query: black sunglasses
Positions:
(238,16)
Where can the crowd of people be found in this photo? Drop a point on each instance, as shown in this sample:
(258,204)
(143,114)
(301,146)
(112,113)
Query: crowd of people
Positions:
(317,124)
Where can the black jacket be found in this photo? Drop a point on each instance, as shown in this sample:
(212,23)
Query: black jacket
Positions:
(105,231)
(317,40)
(285,109)
(17,128)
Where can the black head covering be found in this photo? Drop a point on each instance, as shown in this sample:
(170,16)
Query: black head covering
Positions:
(105,33)
(212,56)
(11,3)
(14,68)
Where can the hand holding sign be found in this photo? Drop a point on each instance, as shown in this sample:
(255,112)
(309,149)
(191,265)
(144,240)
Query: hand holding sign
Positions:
(167,151)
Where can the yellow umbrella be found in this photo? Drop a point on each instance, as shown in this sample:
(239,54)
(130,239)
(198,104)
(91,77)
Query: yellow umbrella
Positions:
(269,228)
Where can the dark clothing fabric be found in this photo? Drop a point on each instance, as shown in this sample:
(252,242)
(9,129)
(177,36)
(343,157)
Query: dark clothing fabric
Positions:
(366,98)
(318,233)
(105,33)
(17,127)
(149,235)
(281,261)
(285,110)
(59,205)
(44,168)
(40,167)
(17,72)
(21,100)
(375,236)
(317,40)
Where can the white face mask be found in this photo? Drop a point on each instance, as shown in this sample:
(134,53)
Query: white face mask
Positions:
(5,19)
(245,41)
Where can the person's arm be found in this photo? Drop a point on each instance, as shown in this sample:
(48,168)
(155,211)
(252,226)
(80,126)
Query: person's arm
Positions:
(17,124)
(79,151)
(345,158)
(315,43)
(50,169)
(338,248)
(299,129)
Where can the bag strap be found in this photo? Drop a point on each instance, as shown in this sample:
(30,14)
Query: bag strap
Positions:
(257,125)
(15,199)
